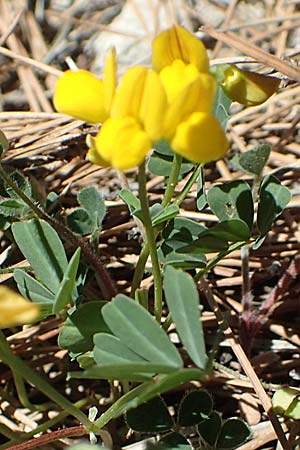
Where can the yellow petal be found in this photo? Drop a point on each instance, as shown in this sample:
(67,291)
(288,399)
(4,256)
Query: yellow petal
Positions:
(247,88)
(15,309)
(122,142)
(141,95)
(198,96)
(93,155)
(129,94)
(200,138)
(153,106)
(110,78)
(80,94)
(178,43)
(176,77)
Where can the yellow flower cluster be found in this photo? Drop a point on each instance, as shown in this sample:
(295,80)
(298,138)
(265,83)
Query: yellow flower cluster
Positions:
(173,101)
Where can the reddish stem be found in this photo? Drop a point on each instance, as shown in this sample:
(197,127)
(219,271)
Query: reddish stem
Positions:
(49,437)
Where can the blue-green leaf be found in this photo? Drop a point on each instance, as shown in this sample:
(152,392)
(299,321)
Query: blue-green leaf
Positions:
(34,291)
(140,332)
(79,328)
(183,302)
(232,200)
(43,249)
(273,198)
(64,293)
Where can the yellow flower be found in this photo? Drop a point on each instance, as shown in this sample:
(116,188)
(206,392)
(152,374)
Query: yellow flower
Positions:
(15,309)
(176,43)
(82,95)
(148,105)
(247,88)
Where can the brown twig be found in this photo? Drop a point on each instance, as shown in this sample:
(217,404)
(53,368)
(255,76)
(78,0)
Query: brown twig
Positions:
(255,52)
(50,437)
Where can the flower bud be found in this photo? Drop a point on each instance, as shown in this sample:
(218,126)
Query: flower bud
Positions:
(247,88)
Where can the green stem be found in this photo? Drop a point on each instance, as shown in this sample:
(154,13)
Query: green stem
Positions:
(140,268)
(217,258)
(22,394)
(18,366)
(246,288)
(171,184)
(7,432)
(151,240)
(172,180)
(193,178)
(119,407)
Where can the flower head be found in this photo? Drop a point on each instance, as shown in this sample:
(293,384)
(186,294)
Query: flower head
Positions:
(148,105)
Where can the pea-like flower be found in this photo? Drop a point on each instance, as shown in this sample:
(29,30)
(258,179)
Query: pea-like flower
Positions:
(15,309)
(245,87)
(172,102)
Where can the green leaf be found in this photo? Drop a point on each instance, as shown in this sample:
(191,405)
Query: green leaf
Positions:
(43,249)
(194,408)
(140,332)
(209,429)
(91,200)
(161,159)
(183,261)
(110,350)
(11,208)
(177,234)
(173,441)
(232,200)
(221,107)
(253,161)
(183,302)
(286,402)
(151,417)
(161,214)
(228,231)
(23,184)
(78,330)
(201,194)
(273,198)
(234,432)
(205,244)
(131,200)
(64,293)
(80,222)
(34,291)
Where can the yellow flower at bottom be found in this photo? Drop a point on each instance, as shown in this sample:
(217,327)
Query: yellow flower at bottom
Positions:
(15,309)
(200,138)
(122,142)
